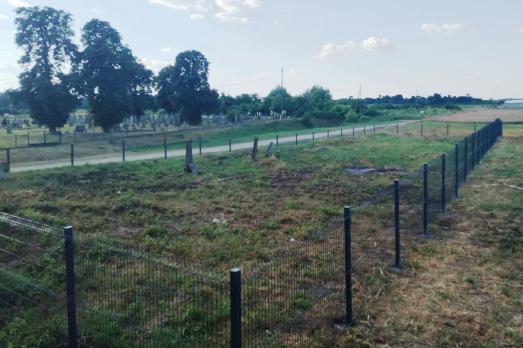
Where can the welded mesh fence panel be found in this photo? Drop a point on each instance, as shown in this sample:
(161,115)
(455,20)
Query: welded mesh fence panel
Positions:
(130,299)
(296,290)
(32,286)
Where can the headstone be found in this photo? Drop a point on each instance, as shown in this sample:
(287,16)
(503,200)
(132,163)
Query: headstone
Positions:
(254,153)
(268,151)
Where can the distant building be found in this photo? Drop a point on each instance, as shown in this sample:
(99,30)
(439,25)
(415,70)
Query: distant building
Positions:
(513,104)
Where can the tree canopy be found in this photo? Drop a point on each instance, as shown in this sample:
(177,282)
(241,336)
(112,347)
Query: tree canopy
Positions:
(112,78)
(44,35)
(184,87)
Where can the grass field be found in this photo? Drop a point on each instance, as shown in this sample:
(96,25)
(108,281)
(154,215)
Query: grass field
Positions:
(261,205)
(304,184)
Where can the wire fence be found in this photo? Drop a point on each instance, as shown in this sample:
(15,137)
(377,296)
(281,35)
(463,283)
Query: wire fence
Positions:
(63,150)
(67,290)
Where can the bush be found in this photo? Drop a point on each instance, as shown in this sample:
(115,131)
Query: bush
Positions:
(307,122)
(453,107)
(331,117)
(352,117)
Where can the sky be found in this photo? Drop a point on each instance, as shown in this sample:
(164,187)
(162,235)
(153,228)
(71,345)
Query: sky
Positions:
(409,47)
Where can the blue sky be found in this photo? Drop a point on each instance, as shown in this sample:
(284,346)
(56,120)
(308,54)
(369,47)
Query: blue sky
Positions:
(389,47)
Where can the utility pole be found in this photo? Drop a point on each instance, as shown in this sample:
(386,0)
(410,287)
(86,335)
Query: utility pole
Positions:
(281,92)
(359,101)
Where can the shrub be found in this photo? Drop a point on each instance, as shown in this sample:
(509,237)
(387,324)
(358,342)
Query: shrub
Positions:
(307,122)
(453,107)
(331,117)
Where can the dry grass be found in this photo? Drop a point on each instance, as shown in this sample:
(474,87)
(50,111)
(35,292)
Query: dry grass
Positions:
(483,115)
(464,288)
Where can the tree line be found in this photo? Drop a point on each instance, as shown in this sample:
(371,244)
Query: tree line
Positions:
(59,76)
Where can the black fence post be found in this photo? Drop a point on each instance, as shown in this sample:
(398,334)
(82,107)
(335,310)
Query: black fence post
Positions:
(200,145)
(72,328)
(328,133)
(230,145)
(45,137)
(465,160)
(348,264)
(353,132)
(28,138)
(72,154)
(456,170)
(341,132)
(296,139)
(277,140)
(123,150)
(448,130)
(425,198)
(421,129)
(8,160)
(483,142)
(443,182)
(397,259)
(374,128)
(312,136)
(473,151)
(364,129)
(397,128)
(236,307)
(60,137)
(165,147)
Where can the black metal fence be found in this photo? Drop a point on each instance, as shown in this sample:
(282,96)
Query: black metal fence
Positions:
(63,289)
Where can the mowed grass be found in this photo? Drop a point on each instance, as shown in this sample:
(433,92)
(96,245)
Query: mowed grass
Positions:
(234,211)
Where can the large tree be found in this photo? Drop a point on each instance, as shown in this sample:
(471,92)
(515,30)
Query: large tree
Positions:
(184,87)
(113,80)
(276,99)
(44,34)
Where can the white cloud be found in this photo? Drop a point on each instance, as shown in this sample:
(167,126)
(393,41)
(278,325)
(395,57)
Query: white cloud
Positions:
(3,16)
(18,3)
(371,44)
(184,5)
(433,28)
(223,10)
(292,71)
(197,16)
(331,49)
(165,49)
(154,64)
(376,43)
(228,17)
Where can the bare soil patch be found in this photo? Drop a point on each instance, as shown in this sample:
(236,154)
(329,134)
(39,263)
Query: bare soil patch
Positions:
(483,115)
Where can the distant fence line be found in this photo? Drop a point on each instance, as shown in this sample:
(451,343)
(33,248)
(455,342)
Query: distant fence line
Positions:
(164,145)
(78,292)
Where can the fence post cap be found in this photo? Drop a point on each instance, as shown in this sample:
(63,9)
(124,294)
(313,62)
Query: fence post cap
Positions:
(235,270)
